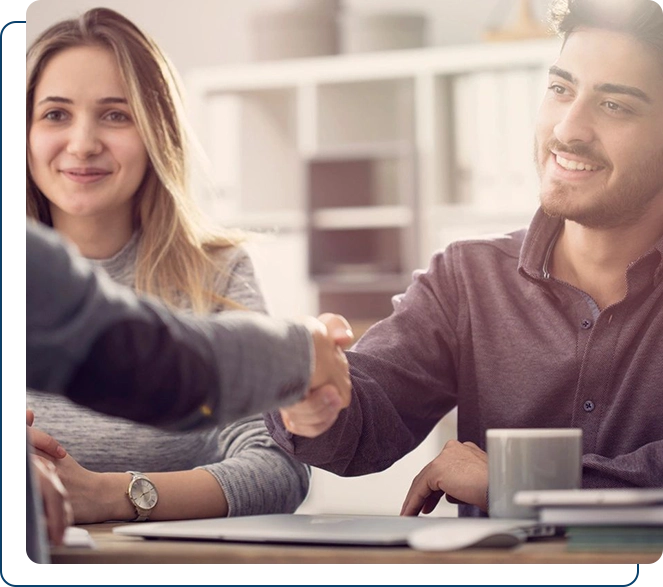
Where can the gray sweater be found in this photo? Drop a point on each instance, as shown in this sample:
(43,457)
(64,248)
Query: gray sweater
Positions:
(256,476)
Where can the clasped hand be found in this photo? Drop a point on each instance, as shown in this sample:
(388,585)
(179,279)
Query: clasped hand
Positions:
(330,387)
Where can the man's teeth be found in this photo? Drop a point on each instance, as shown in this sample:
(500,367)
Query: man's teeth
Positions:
(575,165)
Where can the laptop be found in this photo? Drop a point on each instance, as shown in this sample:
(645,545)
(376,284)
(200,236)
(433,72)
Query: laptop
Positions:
(328,529)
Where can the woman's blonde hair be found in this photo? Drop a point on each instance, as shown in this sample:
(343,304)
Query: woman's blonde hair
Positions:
(173,259)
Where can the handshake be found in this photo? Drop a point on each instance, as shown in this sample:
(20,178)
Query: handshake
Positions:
(330,387)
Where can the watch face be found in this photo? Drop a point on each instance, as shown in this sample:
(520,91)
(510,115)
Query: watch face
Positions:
(143,493)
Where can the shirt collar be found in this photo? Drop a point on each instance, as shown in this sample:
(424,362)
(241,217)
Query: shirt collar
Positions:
(540,240)
(538,245)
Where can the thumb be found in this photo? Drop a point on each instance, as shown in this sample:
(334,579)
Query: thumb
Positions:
(338,328)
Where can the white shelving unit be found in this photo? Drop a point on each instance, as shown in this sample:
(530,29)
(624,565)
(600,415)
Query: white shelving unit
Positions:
(371,161)
(356,168)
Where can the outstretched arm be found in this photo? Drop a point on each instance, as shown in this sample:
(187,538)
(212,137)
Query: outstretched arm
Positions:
(105,348)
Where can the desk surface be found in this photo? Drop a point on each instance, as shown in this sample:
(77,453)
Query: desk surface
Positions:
(124,549)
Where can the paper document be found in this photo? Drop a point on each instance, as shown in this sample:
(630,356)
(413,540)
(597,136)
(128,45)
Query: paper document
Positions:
(79,538)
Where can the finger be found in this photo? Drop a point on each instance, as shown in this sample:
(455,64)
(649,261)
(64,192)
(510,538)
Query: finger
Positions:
(418,493)
(452,499)
(338,328)
(308,430)
(46,443)
(29,417)
(315,414)
(316,403)
(431,502)
(42,456)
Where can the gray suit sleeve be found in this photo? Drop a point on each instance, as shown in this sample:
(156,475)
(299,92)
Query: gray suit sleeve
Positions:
(103,347)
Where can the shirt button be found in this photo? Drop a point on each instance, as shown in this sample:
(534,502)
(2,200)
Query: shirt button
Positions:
(586,324)
(588,406)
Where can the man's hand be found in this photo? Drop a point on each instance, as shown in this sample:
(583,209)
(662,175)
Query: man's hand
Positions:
(57,508)
(330,386)
(460,471)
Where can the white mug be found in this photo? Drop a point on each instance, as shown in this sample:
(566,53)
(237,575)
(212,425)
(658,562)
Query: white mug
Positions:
(530,458)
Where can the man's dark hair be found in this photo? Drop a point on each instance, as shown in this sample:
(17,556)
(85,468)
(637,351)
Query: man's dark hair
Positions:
(642,19)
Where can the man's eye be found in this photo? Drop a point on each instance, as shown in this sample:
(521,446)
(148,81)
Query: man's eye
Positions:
(557,89)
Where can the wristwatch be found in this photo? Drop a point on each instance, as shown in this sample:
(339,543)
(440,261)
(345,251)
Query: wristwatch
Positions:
(143,495)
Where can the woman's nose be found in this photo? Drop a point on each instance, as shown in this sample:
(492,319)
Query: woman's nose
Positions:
(84,140)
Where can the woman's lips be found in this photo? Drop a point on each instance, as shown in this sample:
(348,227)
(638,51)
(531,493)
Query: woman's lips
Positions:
(87,175)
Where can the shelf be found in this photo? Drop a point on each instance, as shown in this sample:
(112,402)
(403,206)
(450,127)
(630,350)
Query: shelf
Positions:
(384,65)
(284,221)
(366,164)
(361,282)
(356,183)
(375,250)
(362,151)
(362,217)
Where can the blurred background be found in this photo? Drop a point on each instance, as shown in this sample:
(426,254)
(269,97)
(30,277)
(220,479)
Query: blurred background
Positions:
(198,33)
(353,139)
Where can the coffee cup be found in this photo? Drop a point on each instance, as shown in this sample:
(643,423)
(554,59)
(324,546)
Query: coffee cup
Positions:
(530,458)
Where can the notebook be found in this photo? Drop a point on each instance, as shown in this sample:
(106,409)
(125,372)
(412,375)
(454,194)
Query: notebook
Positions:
(447,533)
(563,507)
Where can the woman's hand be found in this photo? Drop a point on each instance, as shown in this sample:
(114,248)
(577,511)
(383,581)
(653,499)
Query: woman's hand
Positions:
(85,488)
(41,441)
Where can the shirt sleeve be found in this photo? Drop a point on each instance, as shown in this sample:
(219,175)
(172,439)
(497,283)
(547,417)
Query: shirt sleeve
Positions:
(256,475)
(402,385)
(641,468)
(105,348)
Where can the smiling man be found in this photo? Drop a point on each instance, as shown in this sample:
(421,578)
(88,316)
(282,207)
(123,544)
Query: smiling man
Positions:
(559,325)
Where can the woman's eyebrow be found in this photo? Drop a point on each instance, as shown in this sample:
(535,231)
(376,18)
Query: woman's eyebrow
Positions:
(61,100)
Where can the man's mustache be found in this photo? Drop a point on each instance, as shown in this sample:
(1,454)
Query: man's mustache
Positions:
(581,150)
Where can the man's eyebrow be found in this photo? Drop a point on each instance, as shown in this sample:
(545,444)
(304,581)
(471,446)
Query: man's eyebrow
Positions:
(559,72)
(620,89)
(606,88)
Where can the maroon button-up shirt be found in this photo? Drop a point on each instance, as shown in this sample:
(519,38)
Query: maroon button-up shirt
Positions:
(488,330)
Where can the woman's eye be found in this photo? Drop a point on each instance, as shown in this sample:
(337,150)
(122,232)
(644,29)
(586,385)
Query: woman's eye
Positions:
(55,116)
(557,89)
(117,116)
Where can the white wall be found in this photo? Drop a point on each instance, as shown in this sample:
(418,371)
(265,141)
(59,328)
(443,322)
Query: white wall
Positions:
(210,32)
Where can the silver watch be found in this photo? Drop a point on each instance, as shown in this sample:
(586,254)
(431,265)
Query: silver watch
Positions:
(143,495)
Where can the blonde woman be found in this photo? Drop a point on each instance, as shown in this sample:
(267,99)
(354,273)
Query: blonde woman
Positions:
(107,168)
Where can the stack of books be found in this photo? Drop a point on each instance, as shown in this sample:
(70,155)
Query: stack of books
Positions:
(615,538)
(602,515)
(607,520)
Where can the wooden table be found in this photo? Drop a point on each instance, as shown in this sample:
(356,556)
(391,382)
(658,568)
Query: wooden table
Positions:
(124,549)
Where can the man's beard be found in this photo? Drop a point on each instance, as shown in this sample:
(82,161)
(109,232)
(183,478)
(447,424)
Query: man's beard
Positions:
(622,205)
